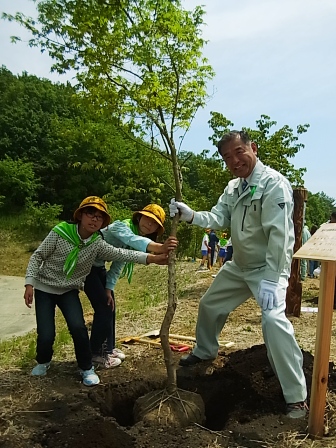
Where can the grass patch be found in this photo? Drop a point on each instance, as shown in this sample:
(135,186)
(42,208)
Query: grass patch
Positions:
(19,352)
(139,296)
(17,245)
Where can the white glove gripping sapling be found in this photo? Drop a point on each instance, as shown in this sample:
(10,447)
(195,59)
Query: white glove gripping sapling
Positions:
(268,295)
(186,214)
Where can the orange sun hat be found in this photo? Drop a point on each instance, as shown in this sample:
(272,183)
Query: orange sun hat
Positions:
(155,212)
(96,202)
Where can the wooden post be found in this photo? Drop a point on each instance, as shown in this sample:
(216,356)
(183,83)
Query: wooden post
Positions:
(322,350)
(294,290)
(321,246)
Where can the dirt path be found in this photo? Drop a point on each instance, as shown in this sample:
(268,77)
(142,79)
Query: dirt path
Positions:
(15,318)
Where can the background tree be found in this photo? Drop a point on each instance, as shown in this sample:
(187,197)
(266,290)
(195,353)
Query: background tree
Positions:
(17,183)
(205,179)
(73,151)
(81,152)
(274,149)
(318,209)
(140,61)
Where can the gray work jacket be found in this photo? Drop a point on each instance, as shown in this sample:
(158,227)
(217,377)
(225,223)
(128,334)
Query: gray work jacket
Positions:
(261,221)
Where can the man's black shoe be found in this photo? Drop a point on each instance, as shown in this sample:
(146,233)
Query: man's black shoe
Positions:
(189,360)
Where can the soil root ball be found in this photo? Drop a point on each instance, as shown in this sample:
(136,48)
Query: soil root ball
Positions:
(182,408)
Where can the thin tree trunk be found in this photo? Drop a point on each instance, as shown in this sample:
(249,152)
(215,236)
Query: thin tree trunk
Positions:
(172,297)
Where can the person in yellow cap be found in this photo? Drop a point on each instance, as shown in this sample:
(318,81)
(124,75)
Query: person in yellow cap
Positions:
(56,272)
(140,233)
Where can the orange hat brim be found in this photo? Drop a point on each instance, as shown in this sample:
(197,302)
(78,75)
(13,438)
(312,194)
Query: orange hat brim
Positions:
(97,206)
(151,215)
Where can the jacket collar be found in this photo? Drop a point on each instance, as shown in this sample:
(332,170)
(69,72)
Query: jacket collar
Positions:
(253,179)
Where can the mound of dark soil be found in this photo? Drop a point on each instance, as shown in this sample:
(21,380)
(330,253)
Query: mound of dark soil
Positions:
(243,406)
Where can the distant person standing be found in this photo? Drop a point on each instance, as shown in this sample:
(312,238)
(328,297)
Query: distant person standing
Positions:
(205,251)
(213,243)
(313,264)
(303,263)
(229,251)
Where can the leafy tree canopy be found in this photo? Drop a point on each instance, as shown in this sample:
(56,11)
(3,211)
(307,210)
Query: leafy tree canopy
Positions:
(17,183)
(319,208)
(274,148)
(72,150)
(138,60)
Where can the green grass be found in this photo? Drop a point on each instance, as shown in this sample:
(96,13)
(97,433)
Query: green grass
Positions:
(17,244)
(146,292)
(19,352)
(148,289)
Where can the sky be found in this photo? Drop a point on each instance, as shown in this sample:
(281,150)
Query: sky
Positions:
(270,57)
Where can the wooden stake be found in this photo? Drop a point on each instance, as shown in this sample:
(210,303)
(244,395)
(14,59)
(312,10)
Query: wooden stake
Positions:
(322,350)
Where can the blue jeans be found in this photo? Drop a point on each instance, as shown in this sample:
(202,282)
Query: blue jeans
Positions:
(212,253)
(103,325)
(71,307)
(313,264)
(229,253)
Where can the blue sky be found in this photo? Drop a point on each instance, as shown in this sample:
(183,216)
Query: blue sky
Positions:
(270,57)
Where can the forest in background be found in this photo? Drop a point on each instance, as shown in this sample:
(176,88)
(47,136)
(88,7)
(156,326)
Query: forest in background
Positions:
(56,149)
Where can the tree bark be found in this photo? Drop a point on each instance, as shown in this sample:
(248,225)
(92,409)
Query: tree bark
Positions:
(294,290)
(171,385)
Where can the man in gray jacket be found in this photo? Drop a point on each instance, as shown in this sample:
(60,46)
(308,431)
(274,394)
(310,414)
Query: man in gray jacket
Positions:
(258,206)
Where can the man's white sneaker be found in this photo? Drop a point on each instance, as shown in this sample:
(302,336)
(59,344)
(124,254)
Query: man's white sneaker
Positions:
(40,369)
(90,378)
(116,353)
(111,361)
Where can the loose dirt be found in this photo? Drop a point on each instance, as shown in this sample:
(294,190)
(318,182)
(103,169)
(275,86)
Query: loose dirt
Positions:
(244,405)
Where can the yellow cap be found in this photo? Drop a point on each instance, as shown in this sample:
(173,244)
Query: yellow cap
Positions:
(96,202)
(153,211)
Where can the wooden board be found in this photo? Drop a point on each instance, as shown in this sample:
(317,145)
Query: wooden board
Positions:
(321,246)
(322,350)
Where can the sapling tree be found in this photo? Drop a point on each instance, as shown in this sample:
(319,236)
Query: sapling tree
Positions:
(140,61)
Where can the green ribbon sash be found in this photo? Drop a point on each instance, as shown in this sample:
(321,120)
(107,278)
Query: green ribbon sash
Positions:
(128,268)
(69,233)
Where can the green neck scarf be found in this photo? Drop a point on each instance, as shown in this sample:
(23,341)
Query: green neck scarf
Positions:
(69,233)
(128,268)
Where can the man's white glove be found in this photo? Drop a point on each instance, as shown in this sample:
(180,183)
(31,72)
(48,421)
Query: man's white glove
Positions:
(186,214)
(268,295)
